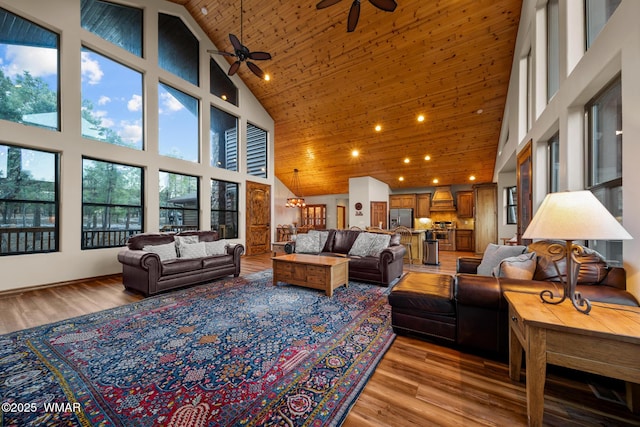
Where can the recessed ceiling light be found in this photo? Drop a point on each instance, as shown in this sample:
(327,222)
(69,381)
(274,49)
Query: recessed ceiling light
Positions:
(472,178)
(407,160)
(427,157)
(480,110)
(378,128)
(420,118)
(401,178)
(435,180)
(355,153)
(224,97)
(267,77)
(204,10)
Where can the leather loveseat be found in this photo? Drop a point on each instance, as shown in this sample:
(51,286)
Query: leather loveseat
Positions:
(157,262)
(482,310)
(381,265)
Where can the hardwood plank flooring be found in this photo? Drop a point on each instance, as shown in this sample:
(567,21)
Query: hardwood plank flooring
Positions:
(417,383)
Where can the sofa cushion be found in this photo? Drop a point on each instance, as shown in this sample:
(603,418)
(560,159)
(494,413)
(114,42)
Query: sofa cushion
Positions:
(182,241)
(518,267)
(308,243)
(343,240)
(181,265)
(139,241)
(203,235)
(217,261)
(193,250)
(380,242)
(364,263)
(493,254)
(166,252)
(362,244)
(593,267)
(219,247)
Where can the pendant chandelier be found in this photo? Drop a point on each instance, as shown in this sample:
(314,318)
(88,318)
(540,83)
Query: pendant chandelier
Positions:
(295,201)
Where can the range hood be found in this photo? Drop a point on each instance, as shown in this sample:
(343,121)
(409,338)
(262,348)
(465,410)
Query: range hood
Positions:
(442,200)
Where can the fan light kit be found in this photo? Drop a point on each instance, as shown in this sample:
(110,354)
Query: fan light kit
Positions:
(242,53)
(354,12)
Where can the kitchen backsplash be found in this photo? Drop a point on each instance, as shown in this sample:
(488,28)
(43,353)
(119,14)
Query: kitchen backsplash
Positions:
(427,223)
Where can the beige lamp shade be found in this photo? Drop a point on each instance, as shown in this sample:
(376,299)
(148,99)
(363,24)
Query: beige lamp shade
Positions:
(574,215)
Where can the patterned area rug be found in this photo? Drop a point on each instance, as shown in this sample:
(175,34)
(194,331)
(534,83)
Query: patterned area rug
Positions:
(237,352)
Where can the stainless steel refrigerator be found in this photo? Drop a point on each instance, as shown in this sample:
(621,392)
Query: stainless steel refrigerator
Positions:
(400,217)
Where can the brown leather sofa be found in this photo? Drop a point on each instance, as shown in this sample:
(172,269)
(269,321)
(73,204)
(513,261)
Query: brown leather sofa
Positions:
(481,309)
(383,269)
(143,271)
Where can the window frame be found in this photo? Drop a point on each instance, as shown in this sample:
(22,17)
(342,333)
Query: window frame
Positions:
(234,212)
(122,235)
(262,171)
(163,226)
(56,215)
(511,194)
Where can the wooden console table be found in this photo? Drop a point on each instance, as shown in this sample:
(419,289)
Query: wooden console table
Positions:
(311,271)
(604,342)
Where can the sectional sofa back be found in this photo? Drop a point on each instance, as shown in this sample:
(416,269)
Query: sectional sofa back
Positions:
(139,241)
(341,241)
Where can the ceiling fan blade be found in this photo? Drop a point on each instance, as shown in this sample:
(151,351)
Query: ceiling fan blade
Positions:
(220,52)
(234,68)
(235,42)
(326,3)
(256,70)
(259,56)
(354,15)
(386,5)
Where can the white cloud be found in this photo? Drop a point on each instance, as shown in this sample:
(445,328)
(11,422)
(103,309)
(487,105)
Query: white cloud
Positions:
(38,61)
(169,104)
(131,132)
(90,69)
(104,100)
(135,103)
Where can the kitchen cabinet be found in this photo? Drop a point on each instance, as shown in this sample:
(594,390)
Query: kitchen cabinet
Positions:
(464,204)
(423,205)
(486,216)
(402,201)
(464,240)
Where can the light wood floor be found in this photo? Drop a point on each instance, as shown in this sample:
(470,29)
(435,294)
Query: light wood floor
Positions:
(417,383)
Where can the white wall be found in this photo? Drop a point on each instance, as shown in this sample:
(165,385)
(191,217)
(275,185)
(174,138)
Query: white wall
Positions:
(582,75)
(365,190)
(70,263)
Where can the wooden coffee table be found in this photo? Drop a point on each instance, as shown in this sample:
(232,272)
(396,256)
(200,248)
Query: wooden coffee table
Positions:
(604,342)
(311,271)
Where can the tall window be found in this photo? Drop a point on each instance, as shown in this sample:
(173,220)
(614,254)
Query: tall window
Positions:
(178,124)
(224,208)
(554,163)
(553,53)
(224,140)
(118,24)
(511,199)
(604,139)
(598,13)
(179,202)
(112,203)
(256,151)
(111,101)
(177,48)
(29,87)
(221,85)
(28,201)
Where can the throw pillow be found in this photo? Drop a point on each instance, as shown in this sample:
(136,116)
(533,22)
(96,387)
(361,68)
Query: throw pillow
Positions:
(308,243)
(493,254)
(184,240)
(380,242)
(219,247)
(362,244)
(518,267)
(193,250)
(166,252)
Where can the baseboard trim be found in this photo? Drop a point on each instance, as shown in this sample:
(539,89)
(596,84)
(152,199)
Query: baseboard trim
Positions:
(10,292)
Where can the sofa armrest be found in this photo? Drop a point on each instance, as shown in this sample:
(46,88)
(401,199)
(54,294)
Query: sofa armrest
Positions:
(236,250)
(392,253)
(139,259)
(477,291)
(468,265)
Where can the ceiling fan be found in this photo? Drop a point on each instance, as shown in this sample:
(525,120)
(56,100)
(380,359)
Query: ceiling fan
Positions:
(354,12)
(242,53)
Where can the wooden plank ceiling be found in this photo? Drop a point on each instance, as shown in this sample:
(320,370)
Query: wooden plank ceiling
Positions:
(449,60)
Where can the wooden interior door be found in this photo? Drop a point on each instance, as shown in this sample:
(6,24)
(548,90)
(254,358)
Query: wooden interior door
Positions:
(524,190)
(341,217)
(258,214)
(379,214)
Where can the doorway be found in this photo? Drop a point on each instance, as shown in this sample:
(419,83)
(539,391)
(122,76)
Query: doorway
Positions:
(379,214)
(341,217)
(258,214)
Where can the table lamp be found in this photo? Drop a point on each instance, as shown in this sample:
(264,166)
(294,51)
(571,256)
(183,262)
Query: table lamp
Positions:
(569,216)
